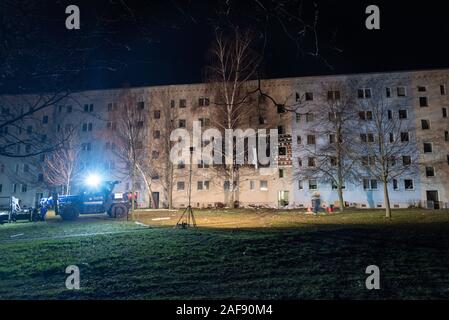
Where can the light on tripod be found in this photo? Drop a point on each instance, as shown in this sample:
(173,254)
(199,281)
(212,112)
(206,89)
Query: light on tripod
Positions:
(187,215)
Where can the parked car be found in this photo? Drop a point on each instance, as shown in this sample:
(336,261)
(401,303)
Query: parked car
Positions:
(11,211)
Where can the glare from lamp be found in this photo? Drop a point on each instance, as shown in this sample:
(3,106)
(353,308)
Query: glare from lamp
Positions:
(93,180)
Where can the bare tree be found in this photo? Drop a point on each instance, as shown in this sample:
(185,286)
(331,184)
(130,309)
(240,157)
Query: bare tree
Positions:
(233,65)
(325,154)
(62,167)
(128,125)
(163,107)
(385,148)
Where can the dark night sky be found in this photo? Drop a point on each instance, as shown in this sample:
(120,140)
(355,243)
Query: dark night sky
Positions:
(173,49)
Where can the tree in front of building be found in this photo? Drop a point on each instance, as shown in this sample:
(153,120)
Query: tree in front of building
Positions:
(324,152)
(385,148)
(232,67)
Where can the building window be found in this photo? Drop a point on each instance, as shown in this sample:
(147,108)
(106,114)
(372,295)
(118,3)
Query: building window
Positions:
(311,162)
(141,105)
(309,96)
(408,184)
(281,130)
(298,140)
(180,185)
(45,119)
(182,103)
(298,117)
(204,122)
(111,125)
(263,185)
(14,188)
(26,168)
(332,138)
(2,168)
(299,162)
(367,137)
(364,93)
(227,185)
(1,188)
(87,127)
(281,173)
(333,95)
(427,147)
(335,187)
(313,185)
(310,117)
(405,137)
(157,114)
(369,184)
(181,165)
(282,151)
(406,160)
(88,108)
(300,185)
(390,114)
(423,102)
(69,109)
(443,90)
(395,184)
(310,139)
(422,89)
(40,177)
(425,124)
(202,165)
(388,92)
(202,185)
(172,103)
(446,135)
(402,114)
(430,172)
(280,108)
(182,123)
(203,102)
(251,185)
(401,91)
(24,188)
(156,134)
(444,112)
(333,161)
(154,154)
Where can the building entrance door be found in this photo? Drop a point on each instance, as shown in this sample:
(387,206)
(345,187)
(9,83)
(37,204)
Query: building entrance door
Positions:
(155,200)
(283,198)
(432,199)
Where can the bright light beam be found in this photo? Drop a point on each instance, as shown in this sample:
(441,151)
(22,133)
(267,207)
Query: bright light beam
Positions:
(93,180)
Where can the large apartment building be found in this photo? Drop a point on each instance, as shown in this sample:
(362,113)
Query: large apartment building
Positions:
(418,98)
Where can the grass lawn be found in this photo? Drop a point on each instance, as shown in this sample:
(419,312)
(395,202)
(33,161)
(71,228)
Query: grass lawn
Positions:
(244,254)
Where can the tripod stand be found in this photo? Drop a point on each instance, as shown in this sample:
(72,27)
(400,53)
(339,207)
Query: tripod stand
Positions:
(187,215)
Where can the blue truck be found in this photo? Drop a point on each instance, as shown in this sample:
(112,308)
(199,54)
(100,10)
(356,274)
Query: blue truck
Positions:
(98,198)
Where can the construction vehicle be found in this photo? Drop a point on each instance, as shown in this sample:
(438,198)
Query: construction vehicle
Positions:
(95,197)
(11,211)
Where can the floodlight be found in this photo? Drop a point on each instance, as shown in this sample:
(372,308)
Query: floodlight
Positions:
(93,180)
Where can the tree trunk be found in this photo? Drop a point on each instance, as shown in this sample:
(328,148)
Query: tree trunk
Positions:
(387,201)
(340,198)
(132,196)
